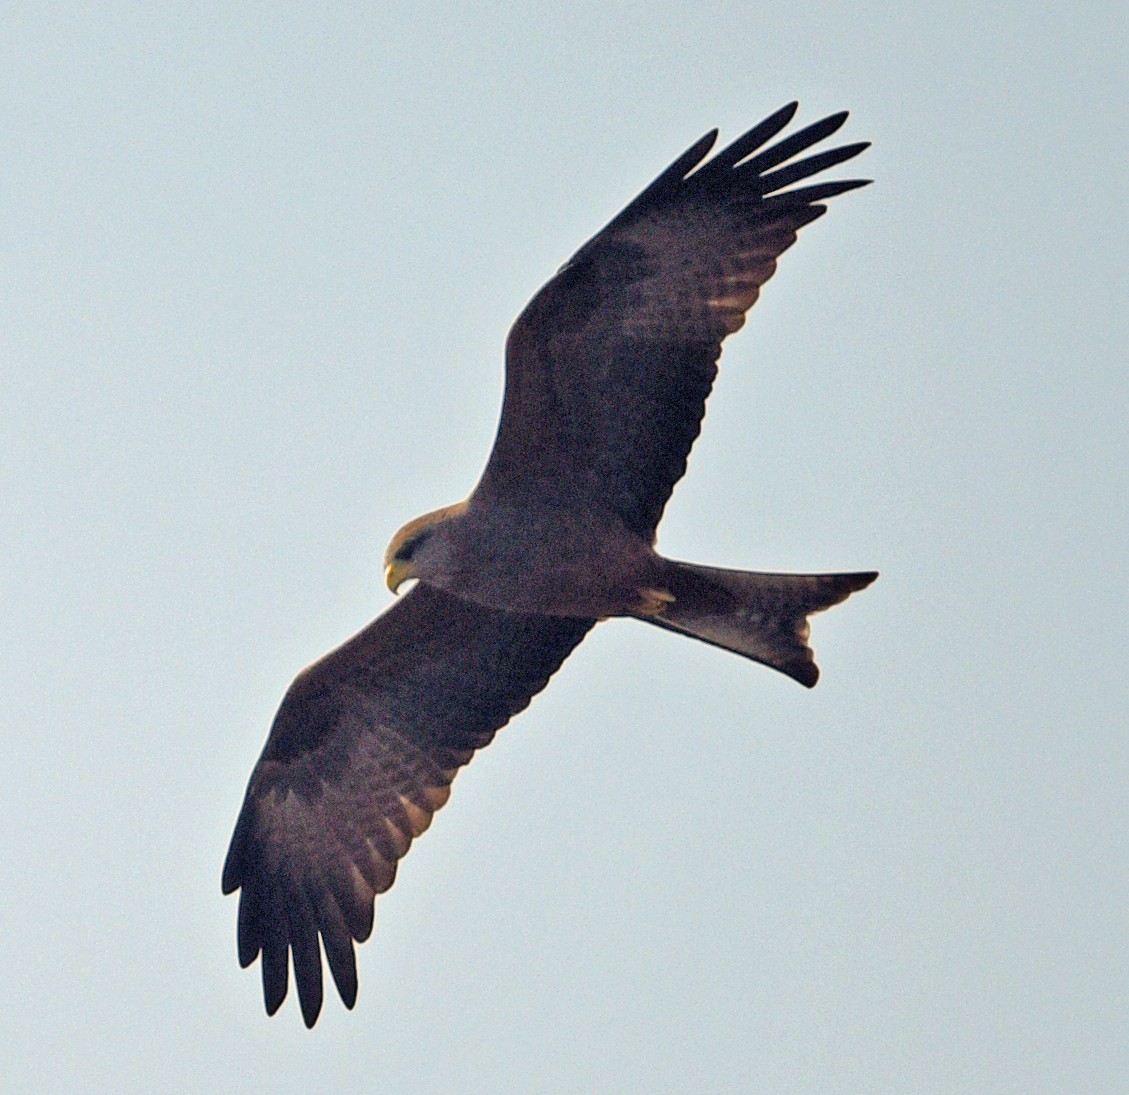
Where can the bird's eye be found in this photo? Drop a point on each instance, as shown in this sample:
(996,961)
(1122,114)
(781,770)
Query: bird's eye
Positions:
(410,547)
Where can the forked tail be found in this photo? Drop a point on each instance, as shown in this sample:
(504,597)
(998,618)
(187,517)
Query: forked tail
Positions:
(760,616)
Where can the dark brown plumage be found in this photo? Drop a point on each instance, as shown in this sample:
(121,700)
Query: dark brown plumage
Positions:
(361,753)
(607,374)
(609,366)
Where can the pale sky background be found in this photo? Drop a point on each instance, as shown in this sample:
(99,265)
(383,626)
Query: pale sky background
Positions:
(257,264)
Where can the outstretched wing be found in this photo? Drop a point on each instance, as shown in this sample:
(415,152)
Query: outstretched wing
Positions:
(609,366)
(361,754)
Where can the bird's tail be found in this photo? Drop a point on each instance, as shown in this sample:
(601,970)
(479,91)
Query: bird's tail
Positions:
(760,616)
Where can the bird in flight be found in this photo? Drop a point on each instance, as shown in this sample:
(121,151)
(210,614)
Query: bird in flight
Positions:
(607,373)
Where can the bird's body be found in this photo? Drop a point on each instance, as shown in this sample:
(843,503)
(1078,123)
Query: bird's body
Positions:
(534,558)
(607,374)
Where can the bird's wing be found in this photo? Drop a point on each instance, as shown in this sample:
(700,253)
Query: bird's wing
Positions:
(361,754)
(609,366)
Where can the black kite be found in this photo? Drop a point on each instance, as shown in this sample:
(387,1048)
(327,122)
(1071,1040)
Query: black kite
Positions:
(607,374)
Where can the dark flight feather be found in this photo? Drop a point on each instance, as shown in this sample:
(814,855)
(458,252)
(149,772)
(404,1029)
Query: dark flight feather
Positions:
(609,367)
(361,753)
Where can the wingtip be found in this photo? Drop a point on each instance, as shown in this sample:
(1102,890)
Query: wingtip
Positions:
(230,879)
(702,146)
(311,1012)
(833,190)
(855,148)
(246,950)
(272,1001)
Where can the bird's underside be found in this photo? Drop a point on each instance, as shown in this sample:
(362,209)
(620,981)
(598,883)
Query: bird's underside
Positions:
(607,374)
(589,566)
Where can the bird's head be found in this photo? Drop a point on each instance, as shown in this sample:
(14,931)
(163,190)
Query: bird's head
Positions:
(421,549)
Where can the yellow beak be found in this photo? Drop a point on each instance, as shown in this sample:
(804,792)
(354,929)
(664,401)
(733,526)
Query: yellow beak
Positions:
(396,574)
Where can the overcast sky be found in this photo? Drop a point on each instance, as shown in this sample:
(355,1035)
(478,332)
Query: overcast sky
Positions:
(257,263)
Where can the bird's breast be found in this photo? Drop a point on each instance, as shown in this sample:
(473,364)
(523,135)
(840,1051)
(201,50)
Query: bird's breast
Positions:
(550,560)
